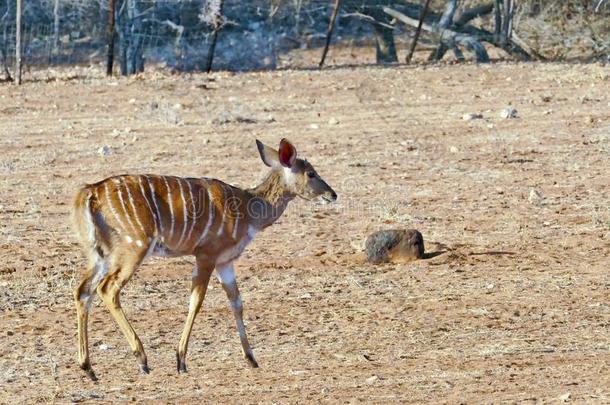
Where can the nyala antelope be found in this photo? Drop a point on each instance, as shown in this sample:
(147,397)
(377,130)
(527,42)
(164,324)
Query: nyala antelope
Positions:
(122,220)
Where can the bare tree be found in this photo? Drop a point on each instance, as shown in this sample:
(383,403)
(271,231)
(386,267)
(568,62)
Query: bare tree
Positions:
(212,15)
(18,32)
(110,33)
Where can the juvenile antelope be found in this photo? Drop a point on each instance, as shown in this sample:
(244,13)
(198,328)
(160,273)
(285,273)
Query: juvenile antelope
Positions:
(122,220)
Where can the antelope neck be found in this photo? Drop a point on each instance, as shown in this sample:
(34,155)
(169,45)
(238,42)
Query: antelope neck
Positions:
(268,200)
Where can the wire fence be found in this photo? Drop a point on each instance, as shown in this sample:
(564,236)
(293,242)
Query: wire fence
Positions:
(176,34)
(171,33)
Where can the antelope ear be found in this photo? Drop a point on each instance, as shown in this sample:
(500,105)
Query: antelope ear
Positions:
(287,153)
(269,156)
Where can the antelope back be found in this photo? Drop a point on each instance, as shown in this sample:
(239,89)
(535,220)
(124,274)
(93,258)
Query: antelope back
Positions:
(181,215)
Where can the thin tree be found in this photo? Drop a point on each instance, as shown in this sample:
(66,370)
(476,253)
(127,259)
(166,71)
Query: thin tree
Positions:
(18,33)
(212,14)
(422,17)
(110,54)
(329,33)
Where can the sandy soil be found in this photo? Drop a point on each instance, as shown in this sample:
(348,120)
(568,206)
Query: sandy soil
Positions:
(513,307)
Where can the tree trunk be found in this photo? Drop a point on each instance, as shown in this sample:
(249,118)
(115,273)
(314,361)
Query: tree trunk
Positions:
(445,22)
(422,17)
(497,20)
(385,47)
(217,25)
(507,23)
(18,32)
(329,32)
(131,49)
(384,38)
(110,54)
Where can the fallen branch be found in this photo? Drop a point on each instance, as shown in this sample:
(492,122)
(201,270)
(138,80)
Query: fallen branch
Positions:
(367,18)
(472,13)
(521,43)
(515,46)
(446,36)
(599,5)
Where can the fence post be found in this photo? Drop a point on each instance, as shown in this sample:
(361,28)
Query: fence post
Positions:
(56,27)
(18,42)
(110,54)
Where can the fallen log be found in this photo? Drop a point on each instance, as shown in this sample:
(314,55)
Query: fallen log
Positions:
(514,46)
(446,36)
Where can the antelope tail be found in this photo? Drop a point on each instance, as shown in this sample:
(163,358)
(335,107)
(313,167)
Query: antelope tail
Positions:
(82,217)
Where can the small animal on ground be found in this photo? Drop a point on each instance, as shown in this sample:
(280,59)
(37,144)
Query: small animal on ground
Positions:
(394,246)
(122,220)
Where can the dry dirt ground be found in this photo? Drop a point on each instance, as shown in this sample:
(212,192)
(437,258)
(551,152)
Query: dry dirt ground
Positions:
(512,306)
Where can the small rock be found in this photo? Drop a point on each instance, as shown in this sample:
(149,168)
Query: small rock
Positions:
(565,397)
(305,296)
(453,149)
(508,112)
(472,116)
(132,101)
(314,126)
(333,121)
(104,150)
(372,380)
(104,347)
(535,196)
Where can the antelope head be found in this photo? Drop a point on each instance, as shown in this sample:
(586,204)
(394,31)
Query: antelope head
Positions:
(298,175)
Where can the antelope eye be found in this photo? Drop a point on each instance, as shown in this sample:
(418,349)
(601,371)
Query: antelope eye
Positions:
(311,175)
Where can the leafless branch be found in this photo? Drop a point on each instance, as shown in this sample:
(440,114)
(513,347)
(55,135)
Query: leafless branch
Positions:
(367,18)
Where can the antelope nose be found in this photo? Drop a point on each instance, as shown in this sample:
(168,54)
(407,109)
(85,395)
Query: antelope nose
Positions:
(333,196)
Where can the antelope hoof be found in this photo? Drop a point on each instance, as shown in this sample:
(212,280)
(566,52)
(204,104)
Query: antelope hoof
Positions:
(89,371)
(144,369)
(180,364)
(250,358)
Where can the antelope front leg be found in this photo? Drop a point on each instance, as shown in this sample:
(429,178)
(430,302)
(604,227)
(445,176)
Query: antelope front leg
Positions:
(199,286)
(226,275)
